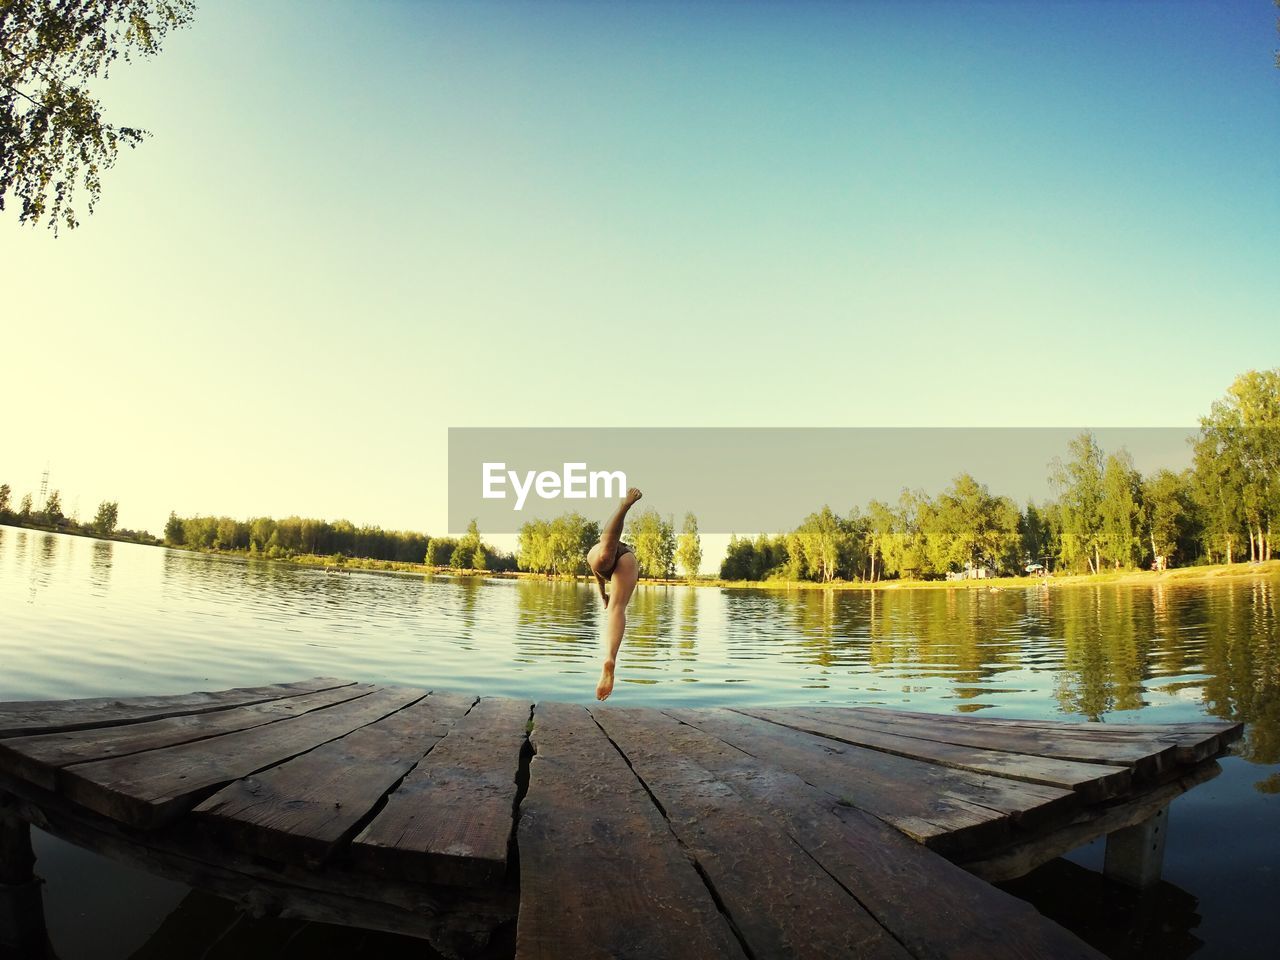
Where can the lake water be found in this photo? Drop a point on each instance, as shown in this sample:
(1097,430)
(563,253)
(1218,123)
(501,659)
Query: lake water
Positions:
(82,618)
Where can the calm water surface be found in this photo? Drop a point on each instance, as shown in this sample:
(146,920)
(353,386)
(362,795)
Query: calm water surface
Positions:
(80,618)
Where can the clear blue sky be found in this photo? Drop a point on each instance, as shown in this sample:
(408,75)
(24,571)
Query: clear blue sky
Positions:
(359,224)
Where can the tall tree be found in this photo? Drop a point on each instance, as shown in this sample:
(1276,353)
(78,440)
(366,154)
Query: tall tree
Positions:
(56,141)
(53,507)
(969,526)
(1118,510)
(174,533)
(5,494)
(689,548)
(654,542)
(24,510)
(823,544)
(1080,481)
(1237,463)
(1167,514)
(108,516)
(879,532)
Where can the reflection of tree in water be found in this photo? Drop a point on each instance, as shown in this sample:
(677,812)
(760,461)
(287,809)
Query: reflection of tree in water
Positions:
(967,636)
(1107,638)
(687,629)
(1242,660)
(100,565)
(556,620)
(42,557)
(650,627)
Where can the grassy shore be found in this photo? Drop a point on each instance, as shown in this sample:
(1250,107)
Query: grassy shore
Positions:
(1181,575)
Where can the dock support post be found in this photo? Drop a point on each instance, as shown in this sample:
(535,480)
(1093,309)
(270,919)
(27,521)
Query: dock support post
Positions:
(22,929)
(1135,854)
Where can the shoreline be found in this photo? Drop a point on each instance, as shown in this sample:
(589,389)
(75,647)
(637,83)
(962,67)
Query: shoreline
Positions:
(1178,575)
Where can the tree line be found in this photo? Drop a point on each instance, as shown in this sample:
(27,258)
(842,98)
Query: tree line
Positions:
(1106,515)
(560,546)
(50,516)
(295,536)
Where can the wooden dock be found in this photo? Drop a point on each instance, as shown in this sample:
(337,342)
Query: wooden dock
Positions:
(595,833)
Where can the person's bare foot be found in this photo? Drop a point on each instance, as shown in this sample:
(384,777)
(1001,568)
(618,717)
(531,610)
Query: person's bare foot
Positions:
(633,495)
(605,686)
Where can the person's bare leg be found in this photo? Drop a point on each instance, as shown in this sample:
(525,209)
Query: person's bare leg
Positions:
(611,535)
(603,556)
(625,574)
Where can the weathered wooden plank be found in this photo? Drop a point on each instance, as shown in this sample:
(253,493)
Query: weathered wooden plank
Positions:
(1217,727)
(149,789)
(451,819)
(601,874)
(781,901)
(38,758)
(24,717)
(927,902)
(1093,781)
(1145,759)
(944,808)
(301,810)
(1194,742)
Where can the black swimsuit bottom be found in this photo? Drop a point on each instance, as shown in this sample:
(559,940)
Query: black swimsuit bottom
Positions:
(622,548)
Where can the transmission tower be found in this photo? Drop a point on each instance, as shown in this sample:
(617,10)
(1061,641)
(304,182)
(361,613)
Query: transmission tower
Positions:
(44,486)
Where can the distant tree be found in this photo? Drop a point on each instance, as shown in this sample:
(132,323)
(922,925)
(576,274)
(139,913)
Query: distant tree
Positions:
(173,530)
(108,516)
(689,547)
(821,545)
(462,556)
(1079,481)
(557,546)
(24,510)
(5,494)
(55,138)
(440,551)
(53,507)
(1238,461)
(654,542)
(261,529)
(1167,513)
(1035,533)
(469,554)
(878,537)
(1119,512)
(969,526)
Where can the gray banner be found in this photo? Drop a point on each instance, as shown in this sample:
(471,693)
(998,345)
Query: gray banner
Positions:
(757,480)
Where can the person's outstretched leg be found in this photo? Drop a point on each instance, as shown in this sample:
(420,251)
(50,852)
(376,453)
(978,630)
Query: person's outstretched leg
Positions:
(603,556)
(611,535)
(625,574)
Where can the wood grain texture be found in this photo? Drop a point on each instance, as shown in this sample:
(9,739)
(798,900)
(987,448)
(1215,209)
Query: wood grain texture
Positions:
(948,809)
(452,817)
(934,908)
(24,717)
(602,877)
(1193,742)
(781,900)
(303,809)
(149,789)
(38,758)
(1147,759)
(1093,781)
